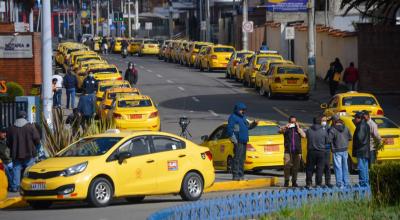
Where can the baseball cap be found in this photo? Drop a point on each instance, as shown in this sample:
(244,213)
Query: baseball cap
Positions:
(21,114)
(359,115)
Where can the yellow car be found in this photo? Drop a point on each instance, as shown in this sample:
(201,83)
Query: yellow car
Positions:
(80,59)
(352,102)
(250,72)
(194,51)
(163,49)
(216,58)
(133,112)
(117,164)
(286,79)
(75,55)
(97,43)
(234,60)
(62,51)
(134,46)
(110,95)
(117,45)
(101,72)
(149,47)
(103,86)
(264,150)
(199,57)
(66,53)
(86,64)
(175,50)
(3,181)
(261,76)
(241,66)
(182,52)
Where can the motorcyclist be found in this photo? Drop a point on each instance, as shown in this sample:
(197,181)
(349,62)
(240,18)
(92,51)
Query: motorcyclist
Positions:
(104,45)
(124,44)
(131,74)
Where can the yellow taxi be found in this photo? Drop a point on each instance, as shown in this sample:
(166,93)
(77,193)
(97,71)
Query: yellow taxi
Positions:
(134,46)
(80,59)
(128,165)
(175,51)
(75,55)
(149,47)
(241,66)
(135,112)
(97,43)
(168,51)
(194,50)
(253,68)
(117,45)
(216,57)
(234,60)
(199,57)
(86,64)
(111,94)
(3,181)
(64,56)
(163,49)
(264,150)
(286,79)
(261,76)
(62,50)
(103,86)
(186,53)
(101,72)
(352,102)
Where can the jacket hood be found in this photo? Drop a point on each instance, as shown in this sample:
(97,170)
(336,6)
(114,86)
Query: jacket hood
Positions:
(316,127)
(21,122)
(339,127)
(239,106)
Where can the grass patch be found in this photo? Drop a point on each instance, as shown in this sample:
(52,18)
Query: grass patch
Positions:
(358,210)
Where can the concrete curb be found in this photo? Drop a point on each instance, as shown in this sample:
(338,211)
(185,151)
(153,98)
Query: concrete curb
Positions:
(14,202)
(242,185)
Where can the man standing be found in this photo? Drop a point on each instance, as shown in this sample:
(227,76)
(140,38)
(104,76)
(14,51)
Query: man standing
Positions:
(131,74)
(317,138)
(339,136)
(58,89)
(351,77)
(89,84)
(86,107)
(70,84)
(330,78)
(5,155)
(327,164)
(361,147)
(292,134)
(375,137)
(238,131)
(22,138)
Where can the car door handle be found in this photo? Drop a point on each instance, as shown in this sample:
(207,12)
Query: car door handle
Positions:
(150,161)
(182,155)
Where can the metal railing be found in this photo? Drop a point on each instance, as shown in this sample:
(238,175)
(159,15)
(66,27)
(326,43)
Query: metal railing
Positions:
(256,204)
(9,111)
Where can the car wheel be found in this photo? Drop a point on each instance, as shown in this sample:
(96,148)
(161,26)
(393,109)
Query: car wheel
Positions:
(209,68)
(261,91)
(100,192)
(135,199)
(227,75)
(229,162)
(40,204)
(192,187)
(270,94)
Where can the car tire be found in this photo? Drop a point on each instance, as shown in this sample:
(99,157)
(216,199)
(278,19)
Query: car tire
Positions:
(100,192)
(192,187)
(261,91)
(209,69)
(270,94)
(227,75)
(134,199)
(40,204)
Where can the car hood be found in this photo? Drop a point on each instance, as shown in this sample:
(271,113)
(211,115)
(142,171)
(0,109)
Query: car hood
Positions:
(59,163)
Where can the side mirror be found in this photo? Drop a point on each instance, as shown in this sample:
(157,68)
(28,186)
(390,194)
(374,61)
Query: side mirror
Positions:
(123,156)
(323,106)
(204,138)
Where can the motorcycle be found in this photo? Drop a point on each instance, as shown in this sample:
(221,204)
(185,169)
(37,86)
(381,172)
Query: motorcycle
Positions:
(124,52)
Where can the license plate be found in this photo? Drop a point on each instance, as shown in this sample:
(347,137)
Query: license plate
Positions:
(291,81)
(389,141)
(38,186)
(135,116)
(271,148)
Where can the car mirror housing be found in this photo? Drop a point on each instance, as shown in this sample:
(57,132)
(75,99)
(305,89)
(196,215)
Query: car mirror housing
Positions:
(324,105)
(204,138)
(123,156)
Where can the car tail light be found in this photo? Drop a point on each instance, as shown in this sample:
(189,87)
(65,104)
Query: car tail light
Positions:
(119,78)
(117,116)
(305,81)
(250,147)
(214,57)
(153,114)
(235,62)
(379,112)
(2,166)
(209,155)
(277,80)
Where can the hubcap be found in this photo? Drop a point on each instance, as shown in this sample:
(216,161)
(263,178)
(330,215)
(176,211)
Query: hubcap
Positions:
(102,192)
(194,187)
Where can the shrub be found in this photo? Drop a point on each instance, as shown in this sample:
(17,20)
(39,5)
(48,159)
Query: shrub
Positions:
(385,183)
(13,90)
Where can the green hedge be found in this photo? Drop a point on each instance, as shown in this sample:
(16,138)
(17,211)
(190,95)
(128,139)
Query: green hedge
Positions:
(385,183)
(13,90)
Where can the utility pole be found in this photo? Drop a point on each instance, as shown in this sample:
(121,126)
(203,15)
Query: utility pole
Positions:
(91,18)
(171,22)
(47,52)
(65,21)
(245,19)
(201,19)
(31,21)
(311,44)
(208,31)
(137,16)
(97,17)
(129,19)
(108,18)
(73,19)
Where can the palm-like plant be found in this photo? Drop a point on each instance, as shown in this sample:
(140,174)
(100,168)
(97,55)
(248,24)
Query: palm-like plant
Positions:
(382,11)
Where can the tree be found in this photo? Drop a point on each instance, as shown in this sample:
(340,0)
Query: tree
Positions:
(381,11)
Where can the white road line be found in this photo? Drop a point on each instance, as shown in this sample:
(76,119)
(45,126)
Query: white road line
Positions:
(159,76)
(170,81)
(213,113)
(150,71)
(141,67)
(195,99)
(181,88)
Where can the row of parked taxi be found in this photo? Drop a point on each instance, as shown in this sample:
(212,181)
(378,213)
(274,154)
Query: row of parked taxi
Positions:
(140,46)
(266,71)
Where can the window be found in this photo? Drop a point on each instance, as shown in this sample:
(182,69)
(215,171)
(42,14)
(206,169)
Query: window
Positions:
(137,146)
(333,103)
(90,147)
(264,130)
(261,60)
(163,143)
(359,100)
(290,70)
(134,103)
(104,70)
(223,49)
(384,123)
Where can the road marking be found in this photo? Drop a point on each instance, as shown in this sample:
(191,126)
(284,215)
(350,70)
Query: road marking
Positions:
(159,76)
(213,113)
(281,112)
(181,88)
(195,99)
(150,71)
(170,81)
(141,67)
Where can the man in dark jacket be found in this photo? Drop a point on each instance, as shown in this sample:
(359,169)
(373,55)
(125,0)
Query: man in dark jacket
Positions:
(238,131)
(292,134)
(361,147)
(351,77)
(90,84)
(131,74)
(339,136)
(86,107)
(317,139)
(22,138)
(70,84)
(5,155)
(330,78)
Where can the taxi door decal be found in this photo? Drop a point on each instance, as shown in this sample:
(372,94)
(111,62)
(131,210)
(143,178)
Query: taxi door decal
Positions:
(172,165)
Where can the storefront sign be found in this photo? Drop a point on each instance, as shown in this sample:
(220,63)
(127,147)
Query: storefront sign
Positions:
(287,5)
(16,46)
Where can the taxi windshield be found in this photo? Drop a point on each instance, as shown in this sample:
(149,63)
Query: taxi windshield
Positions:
(151,42)
(241,55)
(134,103)
(114,94)
(290,70)
(223,49)
(105,87)
(358,100)
(264,130)
(384,123)
(199,46)
(90,147)
(261,60)
(104,70)
(80,59)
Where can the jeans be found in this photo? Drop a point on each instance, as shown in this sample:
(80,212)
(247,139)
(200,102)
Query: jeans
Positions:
(372,157)
(9,174)
(71,97)
(315,159)
(291,166)
(341,168)
(239,151)
(363,171)
(19,167)
(57,98)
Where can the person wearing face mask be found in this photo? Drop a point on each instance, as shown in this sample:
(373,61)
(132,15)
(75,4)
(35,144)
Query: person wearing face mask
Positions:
(238,131)
(292,134)
(90,84)
(327,164)
(317,139)
(131,74)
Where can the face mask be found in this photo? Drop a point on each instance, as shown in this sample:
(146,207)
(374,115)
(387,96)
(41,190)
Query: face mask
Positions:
(323,123)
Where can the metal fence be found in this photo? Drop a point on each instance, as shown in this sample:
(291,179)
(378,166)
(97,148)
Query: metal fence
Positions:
(9,110)
(256,204)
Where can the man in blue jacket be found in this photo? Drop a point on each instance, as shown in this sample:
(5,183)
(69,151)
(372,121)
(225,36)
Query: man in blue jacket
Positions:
(238,131)
(86,107)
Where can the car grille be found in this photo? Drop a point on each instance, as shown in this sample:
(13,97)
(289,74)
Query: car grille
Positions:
(47,175)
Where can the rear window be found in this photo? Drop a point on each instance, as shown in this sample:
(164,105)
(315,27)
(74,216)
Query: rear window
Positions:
(384,123)
(261,60)
(151,42)
(104,70)
(199,46)
(80,59)
(358,100)
(223,49)
(264,130)
(290,70)
(114,94)
(134,103)
(104,88)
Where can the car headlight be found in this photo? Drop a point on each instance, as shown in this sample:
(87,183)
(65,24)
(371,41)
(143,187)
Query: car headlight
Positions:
(79,168)
(26,172)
